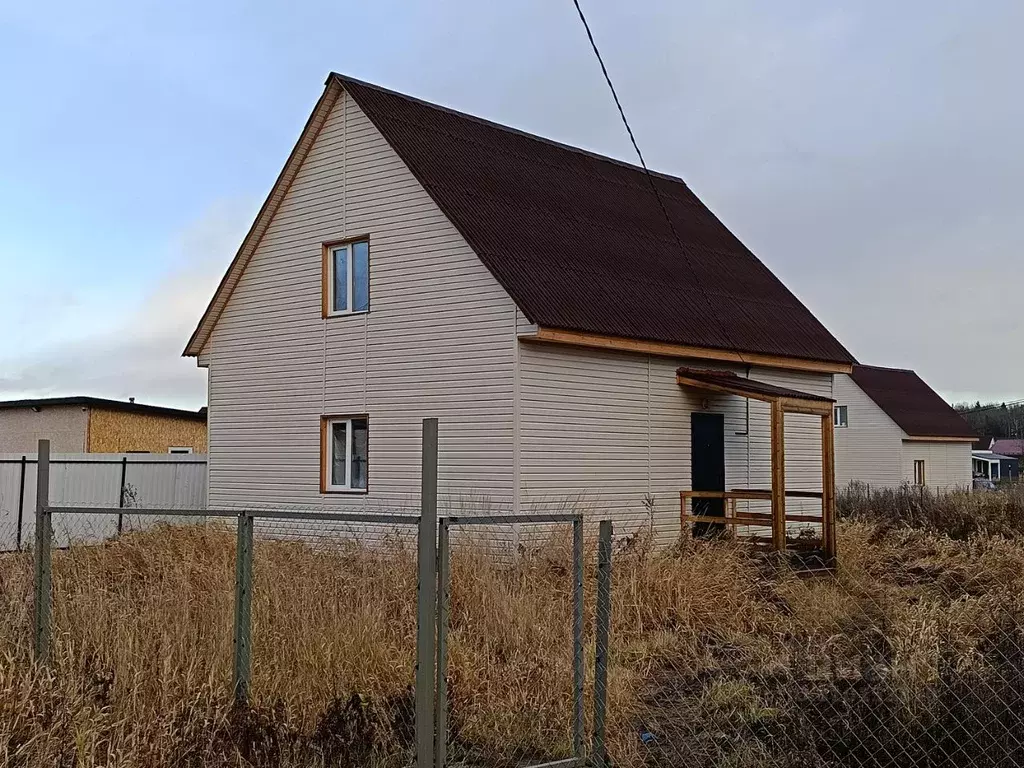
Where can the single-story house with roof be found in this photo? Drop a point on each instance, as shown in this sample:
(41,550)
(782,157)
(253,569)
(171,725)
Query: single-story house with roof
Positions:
(1010,446)
(891,428)
(995,466)
(99,425)
(586,333)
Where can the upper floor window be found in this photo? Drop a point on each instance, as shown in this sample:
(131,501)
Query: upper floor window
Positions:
(840,416)
(346,277)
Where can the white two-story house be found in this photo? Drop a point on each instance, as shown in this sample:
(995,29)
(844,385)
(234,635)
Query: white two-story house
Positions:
(584,332)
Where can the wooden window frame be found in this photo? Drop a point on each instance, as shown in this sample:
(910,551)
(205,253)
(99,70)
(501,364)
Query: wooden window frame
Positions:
(325,454)
(327,250)
(924,478)
(845,423)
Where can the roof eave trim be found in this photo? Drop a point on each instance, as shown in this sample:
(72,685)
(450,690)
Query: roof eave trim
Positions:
(938,439)
(310,131)
(597,341)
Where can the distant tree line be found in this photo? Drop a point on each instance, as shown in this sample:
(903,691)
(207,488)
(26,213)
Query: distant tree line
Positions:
(994,419)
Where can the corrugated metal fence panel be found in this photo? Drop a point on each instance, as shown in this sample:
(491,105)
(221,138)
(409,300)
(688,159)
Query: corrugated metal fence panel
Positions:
(94,480)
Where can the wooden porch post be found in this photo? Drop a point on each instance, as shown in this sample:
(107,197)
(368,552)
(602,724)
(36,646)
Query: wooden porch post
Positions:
(778,477)
(828,486)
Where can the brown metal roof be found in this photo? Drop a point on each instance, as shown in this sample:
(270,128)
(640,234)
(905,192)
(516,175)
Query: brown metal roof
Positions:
(580,241)
(915,407)
(744,387)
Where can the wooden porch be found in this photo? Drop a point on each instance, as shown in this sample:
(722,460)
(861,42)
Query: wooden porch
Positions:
(751,525)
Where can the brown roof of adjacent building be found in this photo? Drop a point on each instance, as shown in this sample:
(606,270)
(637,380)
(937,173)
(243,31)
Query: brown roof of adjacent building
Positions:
(1009,446)
(105,404)
(581,242)
(915,407)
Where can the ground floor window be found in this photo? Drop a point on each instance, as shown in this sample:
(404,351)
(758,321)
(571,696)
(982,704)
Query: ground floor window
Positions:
(918,471)
(345,453)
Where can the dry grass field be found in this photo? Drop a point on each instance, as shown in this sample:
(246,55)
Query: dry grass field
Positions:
(912,655)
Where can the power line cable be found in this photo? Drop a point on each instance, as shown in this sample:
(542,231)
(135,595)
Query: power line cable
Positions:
(993,407)
(650,180)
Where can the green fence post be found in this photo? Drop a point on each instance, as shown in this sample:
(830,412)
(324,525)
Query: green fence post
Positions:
(243,608)
(577,638)
(426,613)
(44,538)
(604,616)
(443,600)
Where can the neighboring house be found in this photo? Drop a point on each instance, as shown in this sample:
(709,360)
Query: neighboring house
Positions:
(97,425)
(413,261)
(1010,446)
(892,428)
(995,466)
(984,443)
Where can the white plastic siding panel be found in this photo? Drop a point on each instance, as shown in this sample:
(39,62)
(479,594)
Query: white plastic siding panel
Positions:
(947,466)
(802,438)
(606,430)
(523,325)
(870,449)
(439,341)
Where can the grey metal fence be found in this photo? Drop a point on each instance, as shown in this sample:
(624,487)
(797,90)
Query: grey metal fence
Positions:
(119,481)
(502,563)
(356,647)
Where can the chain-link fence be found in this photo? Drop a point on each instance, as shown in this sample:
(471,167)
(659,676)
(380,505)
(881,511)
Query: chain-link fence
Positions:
(298,637)
(509,586)
(909,653)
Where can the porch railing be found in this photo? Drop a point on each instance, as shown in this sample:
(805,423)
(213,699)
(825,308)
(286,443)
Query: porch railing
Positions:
(735,518)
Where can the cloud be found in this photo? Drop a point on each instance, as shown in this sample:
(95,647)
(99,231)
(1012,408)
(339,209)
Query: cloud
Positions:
(138,353)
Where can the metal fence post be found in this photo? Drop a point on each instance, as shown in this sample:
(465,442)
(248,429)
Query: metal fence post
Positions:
(443,598)
(21,501)
(120,496)
(577,638)
(426,612)
(243,608)
(604,614)
(43,595)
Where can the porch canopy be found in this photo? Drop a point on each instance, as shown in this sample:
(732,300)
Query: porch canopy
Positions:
(782,401)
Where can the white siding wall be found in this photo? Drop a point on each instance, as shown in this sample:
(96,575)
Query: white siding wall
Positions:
(870,449)
(947,466)
(607,428)
(439,341)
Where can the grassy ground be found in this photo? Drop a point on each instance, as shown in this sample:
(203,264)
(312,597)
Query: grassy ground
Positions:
(912,655)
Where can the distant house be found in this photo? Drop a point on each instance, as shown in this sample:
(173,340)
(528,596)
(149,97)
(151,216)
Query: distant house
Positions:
(995,466)
(892,428)
(97,425)
(579,336)
(1009,446)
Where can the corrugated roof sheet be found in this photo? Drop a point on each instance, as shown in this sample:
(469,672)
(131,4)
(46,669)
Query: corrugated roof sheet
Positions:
(741,385)
(1008,445)
(580,242)
(912,404)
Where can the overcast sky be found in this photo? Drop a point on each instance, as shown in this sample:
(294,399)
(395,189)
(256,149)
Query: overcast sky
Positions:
(869,152)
